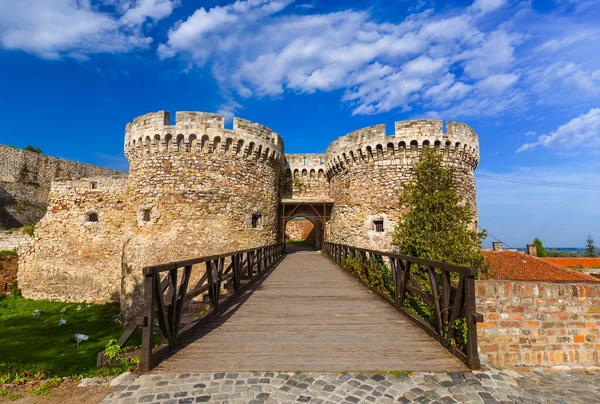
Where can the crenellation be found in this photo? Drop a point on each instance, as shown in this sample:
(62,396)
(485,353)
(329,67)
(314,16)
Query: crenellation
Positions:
(201,132)
(419,128)
(195,120)
(304,176)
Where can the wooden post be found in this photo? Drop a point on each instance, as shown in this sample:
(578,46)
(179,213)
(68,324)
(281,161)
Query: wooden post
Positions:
(470,313)
(147,322)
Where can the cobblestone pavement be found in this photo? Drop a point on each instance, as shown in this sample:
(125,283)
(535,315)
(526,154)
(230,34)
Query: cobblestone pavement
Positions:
(493,386)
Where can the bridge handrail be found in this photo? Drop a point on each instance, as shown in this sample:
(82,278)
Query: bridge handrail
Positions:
(449,303)
(165,299)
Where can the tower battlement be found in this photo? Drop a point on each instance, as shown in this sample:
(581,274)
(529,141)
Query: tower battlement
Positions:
(459,143)
(200,133)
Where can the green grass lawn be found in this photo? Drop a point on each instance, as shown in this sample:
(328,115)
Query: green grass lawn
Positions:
(35,345)
(304,243)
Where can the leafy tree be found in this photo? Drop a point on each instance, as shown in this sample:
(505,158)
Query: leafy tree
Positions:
(541,251)
(561,254)
(33,149)
(436,224)
(590,248)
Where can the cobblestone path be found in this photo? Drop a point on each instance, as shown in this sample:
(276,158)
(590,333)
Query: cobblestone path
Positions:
(279,387)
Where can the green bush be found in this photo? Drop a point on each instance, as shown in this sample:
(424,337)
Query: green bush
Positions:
(15,291)
(28,230)
(8,253)
(33,149)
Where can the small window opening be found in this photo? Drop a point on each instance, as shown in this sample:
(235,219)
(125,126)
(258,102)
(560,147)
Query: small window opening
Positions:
(255,220)
(92,217)
(146,215)
(378,226)
(93,185)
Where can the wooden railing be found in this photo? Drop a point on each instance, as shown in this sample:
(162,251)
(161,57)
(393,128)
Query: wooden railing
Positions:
(448,290)
(167,295)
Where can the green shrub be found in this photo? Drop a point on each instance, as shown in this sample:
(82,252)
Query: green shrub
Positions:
(33,149)
(16,292)
(8,253)
(28,230)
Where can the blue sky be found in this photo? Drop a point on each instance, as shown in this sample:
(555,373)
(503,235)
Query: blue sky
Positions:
(524,74)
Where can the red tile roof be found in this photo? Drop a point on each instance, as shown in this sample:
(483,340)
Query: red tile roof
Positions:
(516,266)
(574,262)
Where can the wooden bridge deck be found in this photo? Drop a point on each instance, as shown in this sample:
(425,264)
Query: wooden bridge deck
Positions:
(310,315)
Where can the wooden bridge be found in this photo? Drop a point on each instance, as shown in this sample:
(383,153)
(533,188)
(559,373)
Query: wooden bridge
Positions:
(294,312)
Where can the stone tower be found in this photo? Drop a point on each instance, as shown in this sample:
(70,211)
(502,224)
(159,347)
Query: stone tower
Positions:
(367,171)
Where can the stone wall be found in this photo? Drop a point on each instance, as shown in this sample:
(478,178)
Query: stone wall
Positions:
(534,324)
(302,229)
(74,257)
(25,179)
(368,170)
(304,177)
(8,273)
(14,240)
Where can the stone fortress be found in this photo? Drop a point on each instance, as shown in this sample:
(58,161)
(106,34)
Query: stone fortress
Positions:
(196,188)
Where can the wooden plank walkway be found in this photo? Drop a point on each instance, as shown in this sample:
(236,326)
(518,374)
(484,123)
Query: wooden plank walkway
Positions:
(310,315)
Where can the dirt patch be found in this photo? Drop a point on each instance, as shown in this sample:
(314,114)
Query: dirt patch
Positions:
(65,393)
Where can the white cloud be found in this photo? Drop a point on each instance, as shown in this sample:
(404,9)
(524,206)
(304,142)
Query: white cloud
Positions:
(562,75)
(155,10)
(487,6)
(257,51)
(557,44)
(581,131)
(54,28)
(496,83)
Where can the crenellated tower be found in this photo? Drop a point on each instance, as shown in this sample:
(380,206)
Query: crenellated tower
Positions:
(196,188)
(367,171)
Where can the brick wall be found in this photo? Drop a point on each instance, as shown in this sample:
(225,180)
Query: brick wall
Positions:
(539,324)
(8,273)
(300,230)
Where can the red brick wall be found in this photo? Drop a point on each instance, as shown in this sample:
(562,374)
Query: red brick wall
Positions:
(8,273)
(539,324)
(300,230)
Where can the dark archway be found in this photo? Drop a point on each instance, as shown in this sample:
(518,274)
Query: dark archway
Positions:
(317,212)
(311,235)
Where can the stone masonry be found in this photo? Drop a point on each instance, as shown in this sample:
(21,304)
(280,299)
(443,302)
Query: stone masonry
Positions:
(195,188)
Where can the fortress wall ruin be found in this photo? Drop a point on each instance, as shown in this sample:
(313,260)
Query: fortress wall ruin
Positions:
(76,254)
(368,170)
(25,179)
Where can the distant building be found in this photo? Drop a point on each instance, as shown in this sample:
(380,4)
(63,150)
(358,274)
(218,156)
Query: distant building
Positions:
(517,266)
(590,266)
